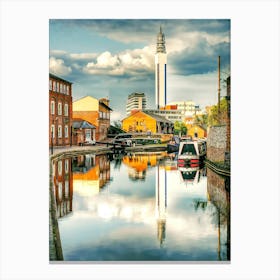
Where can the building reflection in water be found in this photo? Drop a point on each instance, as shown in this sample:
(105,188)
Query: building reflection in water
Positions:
(161,202)
(86,174)
(137,167)
(218,189)
(63,186)
(90,173)
(138,164)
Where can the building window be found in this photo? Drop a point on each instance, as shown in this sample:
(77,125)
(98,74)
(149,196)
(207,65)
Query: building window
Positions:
(64,89)
(60,191)
(88,134)
(66,131)
(59,167)
(66,110)
(61,88)
(54,85)
(67,90)
(52,107)
(53,131)
(59,131)
(100,115)
(57,86)
(59,108)
(50,84)
(66,189)
(66,166)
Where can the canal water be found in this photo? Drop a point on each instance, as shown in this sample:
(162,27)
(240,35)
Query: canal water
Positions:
(140,207)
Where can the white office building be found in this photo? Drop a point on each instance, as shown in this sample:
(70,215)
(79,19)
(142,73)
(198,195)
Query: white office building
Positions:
(136,100)
(188,108)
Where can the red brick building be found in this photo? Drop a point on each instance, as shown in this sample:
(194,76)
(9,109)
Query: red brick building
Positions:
(96,112)
(60,111)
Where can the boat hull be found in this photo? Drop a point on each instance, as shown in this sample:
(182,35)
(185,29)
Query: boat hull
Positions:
(172,148)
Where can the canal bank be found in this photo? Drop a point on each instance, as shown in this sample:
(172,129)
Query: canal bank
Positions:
(98,149)
(55,249)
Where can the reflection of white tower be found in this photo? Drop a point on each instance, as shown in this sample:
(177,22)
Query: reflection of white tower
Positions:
(160,71)
(161,202)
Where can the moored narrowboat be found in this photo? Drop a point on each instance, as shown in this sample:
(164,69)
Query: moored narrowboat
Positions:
(191,153)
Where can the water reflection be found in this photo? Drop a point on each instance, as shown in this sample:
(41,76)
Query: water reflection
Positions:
(121,206)
(63,186)
(219,195)
(90,173)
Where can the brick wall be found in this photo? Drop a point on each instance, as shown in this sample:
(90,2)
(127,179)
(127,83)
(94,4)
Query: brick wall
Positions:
(216,143)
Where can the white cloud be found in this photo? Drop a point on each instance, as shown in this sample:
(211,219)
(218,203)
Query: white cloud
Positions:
(129,62)
(83,56)
(115,116)
(57,53)
(58,67)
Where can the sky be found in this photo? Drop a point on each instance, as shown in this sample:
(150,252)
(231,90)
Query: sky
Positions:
(115,57)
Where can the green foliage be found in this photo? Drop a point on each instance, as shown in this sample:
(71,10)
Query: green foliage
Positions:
(213,118)
(117,124)
(201,120)
(180,128)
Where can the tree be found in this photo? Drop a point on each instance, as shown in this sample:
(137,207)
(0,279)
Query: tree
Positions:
(214,118)
(180,128)
(117,124)
(201,120)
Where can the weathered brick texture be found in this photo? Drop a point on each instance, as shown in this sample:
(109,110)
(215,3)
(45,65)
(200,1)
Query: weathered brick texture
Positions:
(216,143)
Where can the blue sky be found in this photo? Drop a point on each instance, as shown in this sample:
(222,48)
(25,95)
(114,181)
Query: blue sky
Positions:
(113,58)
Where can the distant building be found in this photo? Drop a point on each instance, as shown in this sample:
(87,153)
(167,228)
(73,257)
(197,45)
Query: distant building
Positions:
(172,115)
(60,111)
(187,108)
(147,122)
(136,100)
(197,131)
(94,111)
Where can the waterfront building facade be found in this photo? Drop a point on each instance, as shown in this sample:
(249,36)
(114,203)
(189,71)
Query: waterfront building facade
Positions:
(140,121)
(197,131)
(160,71)
(94,111)
(60,111)
(82,131)
(136,100)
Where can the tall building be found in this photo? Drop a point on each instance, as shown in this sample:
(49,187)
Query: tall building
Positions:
(136,100)
(60,111)
(160,71)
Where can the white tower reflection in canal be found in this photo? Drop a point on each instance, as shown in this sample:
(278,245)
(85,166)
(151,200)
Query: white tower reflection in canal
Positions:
(161,202)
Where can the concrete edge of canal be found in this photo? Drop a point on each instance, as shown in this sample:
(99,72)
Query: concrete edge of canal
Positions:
(55,248)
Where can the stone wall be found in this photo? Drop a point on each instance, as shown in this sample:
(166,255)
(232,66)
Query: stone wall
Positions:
(216,143)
